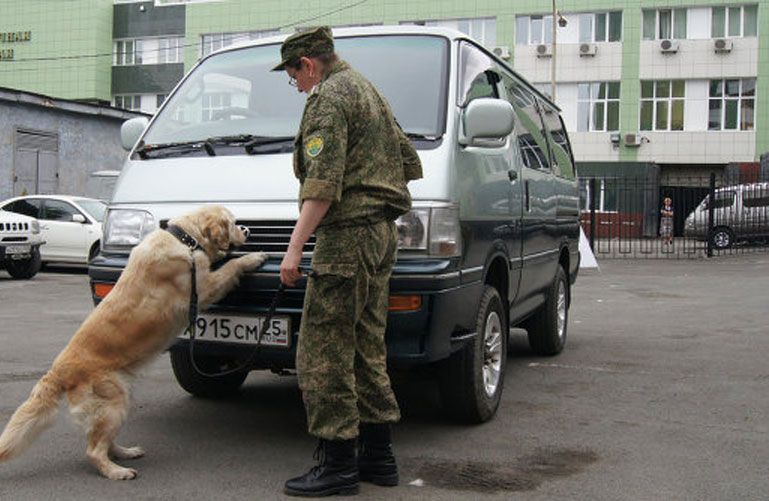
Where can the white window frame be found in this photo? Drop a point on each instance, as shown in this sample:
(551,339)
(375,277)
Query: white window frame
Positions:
(170,50)
(739,99)
(594,23)
(669,99)
(727,17)
(545,31)
(657,30)
(592,100)
(132,102)
(211,42)
(213,102)
(600,200)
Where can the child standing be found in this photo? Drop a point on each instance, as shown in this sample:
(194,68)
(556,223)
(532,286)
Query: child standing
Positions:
(666,221)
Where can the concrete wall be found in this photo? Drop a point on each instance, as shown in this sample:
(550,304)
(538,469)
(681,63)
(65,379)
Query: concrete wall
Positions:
(87,143)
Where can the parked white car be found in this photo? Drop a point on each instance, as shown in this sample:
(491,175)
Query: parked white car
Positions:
(19,245)
(70,226)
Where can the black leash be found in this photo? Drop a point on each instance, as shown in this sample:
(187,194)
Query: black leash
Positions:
(193,245)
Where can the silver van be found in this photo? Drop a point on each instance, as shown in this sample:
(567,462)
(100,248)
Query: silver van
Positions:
(491,242)
(740,213)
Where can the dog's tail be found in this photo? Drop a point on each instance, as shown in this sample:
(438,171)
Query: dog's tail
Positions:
(31,418)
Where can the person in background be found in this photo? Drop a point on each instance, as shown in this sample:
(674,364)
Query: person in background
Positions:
(666,221)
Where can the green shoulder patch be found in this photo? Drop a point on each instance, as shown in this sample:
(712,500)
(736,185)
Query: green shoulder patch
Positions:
(314,146)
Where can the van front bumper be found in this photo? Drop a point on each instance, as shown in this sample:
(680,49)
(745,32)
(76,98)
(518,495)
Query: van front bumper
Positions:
(444,321)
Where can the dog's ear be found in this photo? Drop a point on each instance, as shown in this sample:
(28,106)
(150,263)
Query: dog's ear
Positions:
(217,231)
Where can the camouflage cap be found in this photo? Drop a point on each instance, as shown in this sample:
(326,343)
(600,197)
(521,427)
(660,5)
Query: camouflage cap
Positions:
(305,44)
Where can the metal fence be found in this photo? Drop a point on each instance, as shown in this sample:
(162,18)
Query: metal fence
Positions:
(638,217)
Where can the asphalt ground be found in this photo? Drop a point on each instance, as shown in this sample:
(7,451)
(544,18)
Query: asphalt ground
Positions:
(661,393)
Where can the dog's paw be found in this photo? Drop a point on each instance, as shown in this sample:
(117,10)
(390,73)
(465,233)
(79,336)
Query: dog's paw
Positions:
(122,474)
(252,261)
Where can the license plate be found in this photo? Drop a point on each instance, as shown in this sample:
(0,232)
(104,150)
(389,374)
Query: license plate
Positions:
(241,329)
(18,249)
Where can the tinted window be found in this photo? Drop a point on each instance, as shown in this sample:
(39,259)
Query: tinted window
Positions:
(478,76)
(559,141)
(28,207)
(528,126)
(722,200)
(54,210)
(755,197)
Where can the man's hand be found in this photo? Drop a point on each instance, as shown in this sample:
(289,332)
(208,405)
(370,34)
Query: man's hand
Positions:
(289,268)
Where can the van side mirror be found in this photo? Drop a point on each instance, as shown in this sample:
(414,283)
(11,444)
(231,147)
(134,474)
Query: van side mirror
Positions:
(487,122)
(131,130)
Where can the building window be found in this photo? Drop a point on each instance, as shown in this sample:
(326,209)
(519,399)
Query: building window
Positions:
(598,106)
(214,102)
(159,99)
(664,24)
(662,104)
(127,52)
(734,22)
(600,27)
(482,29)
(533,30)
(170,50)
(128,102)
(732,104)
(607,195)
(211,42)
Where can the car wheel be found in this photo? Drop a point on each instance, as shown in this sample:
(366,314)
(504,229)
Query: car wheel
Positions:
(472,379)
(25,268)
(94,251)
(547,327)
(722,238)
(203,386)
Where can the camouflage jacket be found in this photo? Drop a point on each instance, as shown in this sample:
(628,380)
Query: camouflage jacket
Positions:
(350,150)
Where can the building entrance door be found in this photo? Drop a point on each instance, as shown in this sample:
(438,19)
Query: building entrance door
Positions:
(36,163)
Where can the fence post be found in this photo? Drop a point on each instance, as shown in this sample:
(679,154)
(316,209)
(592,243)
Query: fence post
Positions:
(592,214)
(711,207)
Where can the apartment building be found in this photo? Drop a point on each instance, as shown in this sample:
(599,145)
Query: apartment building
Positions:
(659,86)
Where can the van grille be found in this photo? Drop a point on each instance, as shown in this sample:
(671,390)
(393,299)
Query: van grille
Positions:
(267,236)
(271,236)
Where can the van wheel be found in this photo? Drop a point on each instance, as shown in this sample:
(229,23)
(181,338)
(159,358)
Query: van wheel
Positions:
(547,327)
(722,238)
(472,379)
(202,386)
(25,268)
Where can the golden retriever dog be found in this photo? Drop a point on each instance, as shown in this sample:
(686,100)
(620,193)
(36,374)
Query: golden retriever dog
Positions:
(139,318)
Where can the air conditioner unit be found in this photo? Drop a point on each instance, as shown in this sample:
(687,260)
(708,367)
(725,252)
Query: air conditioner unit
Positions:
(669,46)
(722,45)
(544,50)
(632,139)
(587,49)
(501,52)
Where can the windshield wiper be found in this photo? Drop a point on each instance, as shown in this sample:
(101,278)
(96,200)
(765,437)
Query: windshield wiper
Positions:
(257,141)
(185,146)
(421,137)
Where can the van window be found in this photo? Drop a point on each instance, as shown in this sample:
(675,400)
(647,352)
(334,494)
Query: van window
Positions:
(559,141)
(235,93)
(477,75)
(723,200)
(755,196)
(528,126)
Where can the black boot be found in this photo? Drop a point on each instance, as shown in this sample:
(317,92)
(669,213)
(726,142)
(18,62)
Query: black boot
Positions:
(336,472)
(376,461)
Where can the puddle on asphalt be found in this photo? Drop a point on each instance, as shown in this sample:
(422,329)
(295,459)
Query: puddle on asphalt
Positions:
(524,474)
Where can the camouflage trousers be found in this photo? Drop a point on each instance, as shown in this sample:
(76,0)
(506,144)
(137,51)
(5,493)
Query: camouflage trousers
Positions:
(341,358)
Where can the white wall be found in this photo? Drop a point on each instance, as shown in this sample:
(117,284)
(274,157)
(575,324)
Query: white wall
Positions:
(606,65)
(698,147)
(697,59)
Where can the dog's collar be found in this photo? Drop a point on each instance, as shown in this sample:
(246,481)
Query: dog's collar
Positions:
(184,237)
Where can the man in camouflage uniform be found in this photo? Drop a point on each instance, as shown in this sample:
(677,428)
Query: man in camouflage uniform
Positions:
(353,163)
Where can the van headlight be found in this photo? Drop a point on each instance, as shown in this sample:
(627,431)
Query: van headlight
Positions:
(35,225)
(126,227)
(432,229)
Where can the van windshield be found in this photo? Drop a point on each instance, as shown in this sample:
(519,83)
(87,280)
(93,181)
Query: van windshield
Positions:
(235,93)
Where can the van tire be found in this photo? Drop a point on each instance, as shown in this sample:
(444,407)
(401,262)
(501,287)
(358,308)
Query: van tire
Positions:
(464,392)
(202,386)
(25,268)
(721,238)
(547,327)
